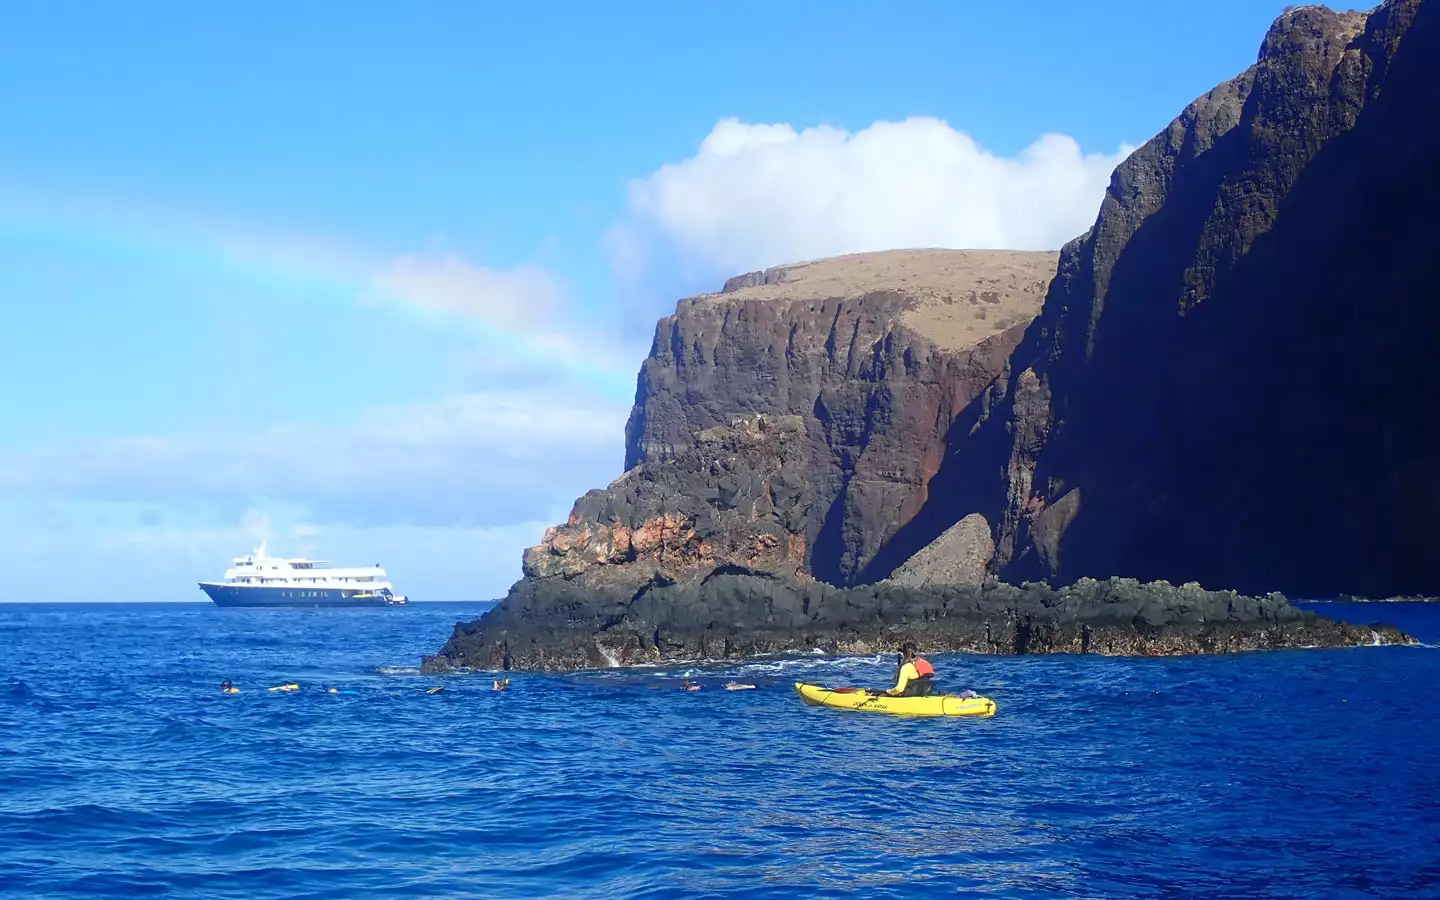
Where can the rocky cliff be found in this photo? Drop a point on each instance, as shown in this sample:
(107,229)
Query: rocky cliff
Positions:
(1230,384)
(1233,377)
(795,418)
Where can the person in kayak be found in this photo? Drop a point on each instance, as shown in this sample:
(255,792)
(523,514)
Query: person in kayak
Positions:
(913,679)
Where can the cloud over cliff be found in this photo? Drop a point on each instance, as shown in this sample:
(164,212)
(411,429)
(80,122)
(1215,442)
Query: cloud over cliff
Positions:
(756,195)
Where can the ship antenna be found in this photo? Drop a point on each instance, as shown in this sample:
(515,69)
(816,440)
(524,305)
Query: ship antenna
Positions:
(260,552)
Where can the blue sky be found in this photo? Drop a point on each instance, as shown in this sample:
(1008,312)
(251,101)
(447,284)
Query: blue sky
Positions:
(375,281)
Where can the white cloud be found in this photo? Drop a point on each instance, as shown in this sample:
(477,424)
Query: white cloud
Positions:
(757,195)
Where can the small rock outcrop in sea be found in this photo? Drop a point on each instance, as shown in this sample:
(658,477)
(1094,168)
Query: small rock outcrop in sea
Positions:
(731,612)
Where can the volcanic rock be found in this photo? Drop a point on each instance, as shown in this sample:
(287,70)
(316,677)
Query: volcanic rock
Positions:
(961,555)
(849,372)
(1233,377)
(730,612)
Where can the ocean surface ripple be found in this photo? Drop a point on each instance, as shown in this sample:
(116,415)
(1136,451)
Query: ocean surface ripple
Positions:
(124,770)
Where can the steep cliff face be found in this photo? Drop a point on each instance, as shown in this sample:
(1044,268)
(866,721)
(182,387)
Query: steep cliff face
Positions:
(793,421)
(1233,377)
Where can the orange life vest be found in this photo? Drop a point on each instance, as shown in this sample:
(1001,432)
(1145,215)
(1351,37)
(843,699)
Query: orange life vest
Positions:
(923,669)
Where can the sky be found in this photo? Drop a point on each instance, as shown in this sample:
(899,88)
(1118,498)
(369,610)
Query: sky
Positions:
(373,281)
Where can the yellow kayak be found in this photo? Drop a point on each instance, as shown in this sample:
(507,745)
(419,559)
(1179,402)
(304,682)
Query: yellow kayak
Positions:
(864,701)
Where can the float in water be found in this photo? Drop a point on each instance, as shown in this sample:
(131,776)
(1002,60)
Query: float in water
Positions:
(864,701)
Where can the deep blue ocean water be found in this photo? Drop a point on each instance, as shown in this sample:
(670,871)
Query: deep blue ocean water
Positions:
(123,770)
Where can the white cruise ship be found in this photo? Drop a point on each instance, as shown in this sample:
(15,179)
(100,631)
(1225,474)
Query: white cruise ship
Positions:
(263,580)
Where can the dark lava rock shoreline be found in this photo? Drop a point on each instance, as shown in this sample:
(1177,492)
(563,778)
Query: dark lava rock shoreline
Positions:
(1409,598)
(558,624)
(1227,380)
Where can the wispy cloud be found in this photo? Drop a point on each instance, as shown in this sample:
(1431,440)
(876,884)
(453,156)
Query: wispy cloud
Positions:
(480,459)
(516,298)
(525,312)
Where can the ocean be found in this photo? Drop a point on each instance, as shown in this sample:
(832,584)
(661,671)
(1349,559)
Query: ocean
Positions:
(124,771)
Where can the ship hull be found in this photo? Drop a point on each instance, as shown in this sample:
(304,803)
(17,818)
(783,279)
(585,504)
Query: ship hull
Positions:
(256,595)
